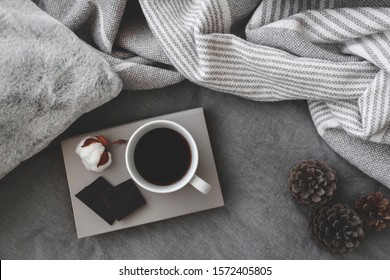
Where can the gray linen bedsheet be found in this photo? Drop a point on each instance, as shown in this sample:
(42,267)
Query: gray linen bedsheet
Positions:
(255,144)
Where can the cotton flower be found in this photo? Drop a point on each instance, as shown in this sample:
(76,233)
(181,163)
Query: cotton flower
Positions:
(93,153)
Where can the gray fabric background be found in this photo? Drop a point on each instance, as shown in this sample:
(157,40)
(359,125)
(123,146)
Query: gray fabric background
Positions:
(255,145)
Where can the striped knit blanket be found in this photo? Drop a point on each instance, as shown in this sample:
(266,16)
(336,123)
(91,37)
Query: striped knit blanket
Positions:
(333,53)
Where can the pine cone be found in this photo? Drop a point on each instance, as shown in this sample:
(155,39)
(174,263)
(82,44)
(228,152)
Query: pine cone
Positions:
(312,182)
(374,210)
(336,228)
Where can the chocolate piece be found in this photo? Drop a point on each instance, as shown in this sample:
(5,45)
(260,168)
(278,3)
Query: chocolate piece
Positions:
(91,196)
(123,199)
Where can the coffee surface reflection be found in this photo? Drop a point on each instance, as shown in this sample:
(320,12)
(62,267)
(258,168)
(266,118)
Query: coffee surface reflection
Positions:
(162,156)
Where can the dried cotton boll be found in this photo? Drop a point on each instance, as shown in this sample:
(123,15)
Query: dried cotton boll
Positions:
(93,153)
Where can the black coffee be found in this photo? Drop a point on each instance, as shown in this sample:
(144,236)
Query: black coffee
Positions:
(162,156)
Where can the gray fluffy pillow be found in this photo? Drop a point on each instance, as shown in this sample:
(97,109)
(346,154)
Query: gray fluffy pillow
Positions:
(48,78)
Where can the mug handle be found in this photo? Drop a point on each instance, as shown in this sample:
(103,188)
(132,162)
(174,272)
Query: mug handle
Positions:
(200,184)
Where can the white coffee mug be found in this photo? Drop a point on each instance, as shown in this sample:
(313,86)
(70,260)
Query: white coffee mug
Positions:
(189,177)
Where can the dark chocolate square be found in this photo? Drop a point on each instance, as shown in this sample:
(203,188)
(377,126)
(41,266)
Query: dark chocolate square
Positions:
(123,199)
(91,196)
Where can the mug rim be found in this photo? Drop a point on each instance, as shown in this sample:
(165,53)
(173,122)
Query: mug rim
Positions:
(137,135)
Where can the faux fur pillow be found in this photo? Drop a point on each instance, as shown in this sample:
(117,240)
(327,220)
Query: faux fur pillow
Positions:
(48,78)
